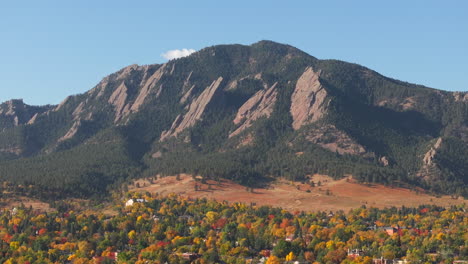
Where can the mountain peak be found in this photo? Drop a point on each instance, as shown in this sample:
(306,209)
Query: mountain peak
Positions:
(241,111)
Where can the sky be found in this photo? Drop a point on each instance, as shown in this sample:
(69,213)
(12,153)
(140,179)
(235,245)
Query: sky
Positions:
(52,49)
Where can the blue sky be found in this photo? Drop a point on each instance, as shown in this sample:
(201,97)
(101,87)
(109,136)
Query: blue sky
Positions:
(51,49)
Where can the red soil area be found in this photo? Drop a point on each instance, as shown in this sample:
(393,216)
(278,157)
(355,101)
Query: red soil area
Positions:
(332,195)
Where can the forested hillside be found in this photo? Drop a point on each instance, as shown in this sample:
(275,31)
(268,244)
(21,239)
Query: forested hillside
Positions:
(247,113)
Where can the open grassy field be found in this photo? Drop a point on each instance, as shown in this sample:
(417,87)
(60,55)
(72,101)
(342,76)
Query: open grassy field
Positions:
(331,195)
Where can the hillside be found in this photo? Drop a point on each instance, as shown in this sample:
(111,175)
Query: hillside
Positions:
(245,113)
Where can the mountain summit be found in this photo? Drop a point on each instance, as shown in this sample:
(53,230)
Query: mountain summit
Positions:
(241,112)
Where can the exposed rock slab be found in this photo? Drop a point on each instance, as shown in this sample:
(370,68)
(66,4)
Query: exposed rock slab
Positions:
(119,99)
(384,161)
(145,90)
(187,89)
(78,110)
(71,132)
(429,168)
(195,111)
(460,96)
(261,104)
(408,103)
(12,150)
(329,137)
(429,156)
(187,95)
(17,113)
(308,101)
(63,103)
(100,88)
(33,119)
(123,74)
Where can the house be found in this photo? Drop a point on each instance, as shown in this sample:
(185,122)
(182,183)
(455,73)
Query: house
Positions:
(390,230)
(382,261)
(130,202)
(389,261)
(190,256)
(355,252)
(14,211)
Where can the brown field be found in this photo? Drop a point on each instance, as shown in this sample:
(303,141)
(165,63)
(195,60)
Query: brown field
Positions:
(12,202)
(332,195)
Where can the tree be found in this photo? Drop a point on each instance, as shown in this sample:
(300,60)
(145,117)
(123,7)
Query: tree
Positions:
(273,260)
(290,256)
(282,248)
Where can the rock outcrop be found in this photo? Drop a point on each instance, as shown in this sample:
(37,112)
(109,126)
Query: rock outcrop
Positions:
(145,90)
(12,150)
(460,96)
(187,95)
(308,101)
(125,72)
(429,169)
(78,110)
(329,137)
(16,112)
(62,104)
(13,107)
(384,161)
(187,89)
(100,88)
(195,111)
(259,105)
(429,156)
(33,119)
(408,103)
(71,132)
(119,100)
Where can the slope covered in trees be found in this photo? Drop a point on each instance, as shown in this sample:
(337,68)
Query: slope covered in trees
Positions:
(245,113)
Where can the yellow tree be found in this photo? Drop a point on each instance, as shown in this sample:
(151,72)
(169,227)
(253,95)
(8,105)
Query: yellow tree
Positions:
(290,256)
(273,260)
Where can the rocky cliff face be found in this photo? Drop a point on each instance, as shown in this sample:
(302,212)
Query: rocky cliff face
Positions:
(16,112)
(195,111)
(259,105)
(308,102)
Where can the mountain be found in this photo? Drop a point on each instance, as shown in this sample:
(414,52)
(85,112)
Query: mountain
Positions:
(247,113)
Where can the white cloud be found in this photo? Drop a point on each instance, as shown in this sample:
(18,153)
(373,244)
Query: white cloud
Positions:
(175,54)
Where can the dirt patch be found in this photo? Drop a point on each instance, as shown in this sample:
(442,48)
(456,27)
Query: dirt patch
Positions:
(331,195)
(7,204)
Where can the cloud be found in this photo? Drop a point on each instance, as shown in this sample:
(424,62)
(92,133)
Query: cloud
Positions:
(175,54)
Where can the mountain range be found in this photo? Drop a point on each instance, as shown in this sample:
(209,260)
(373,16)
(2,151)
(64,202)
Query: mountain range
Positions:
(247,113)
